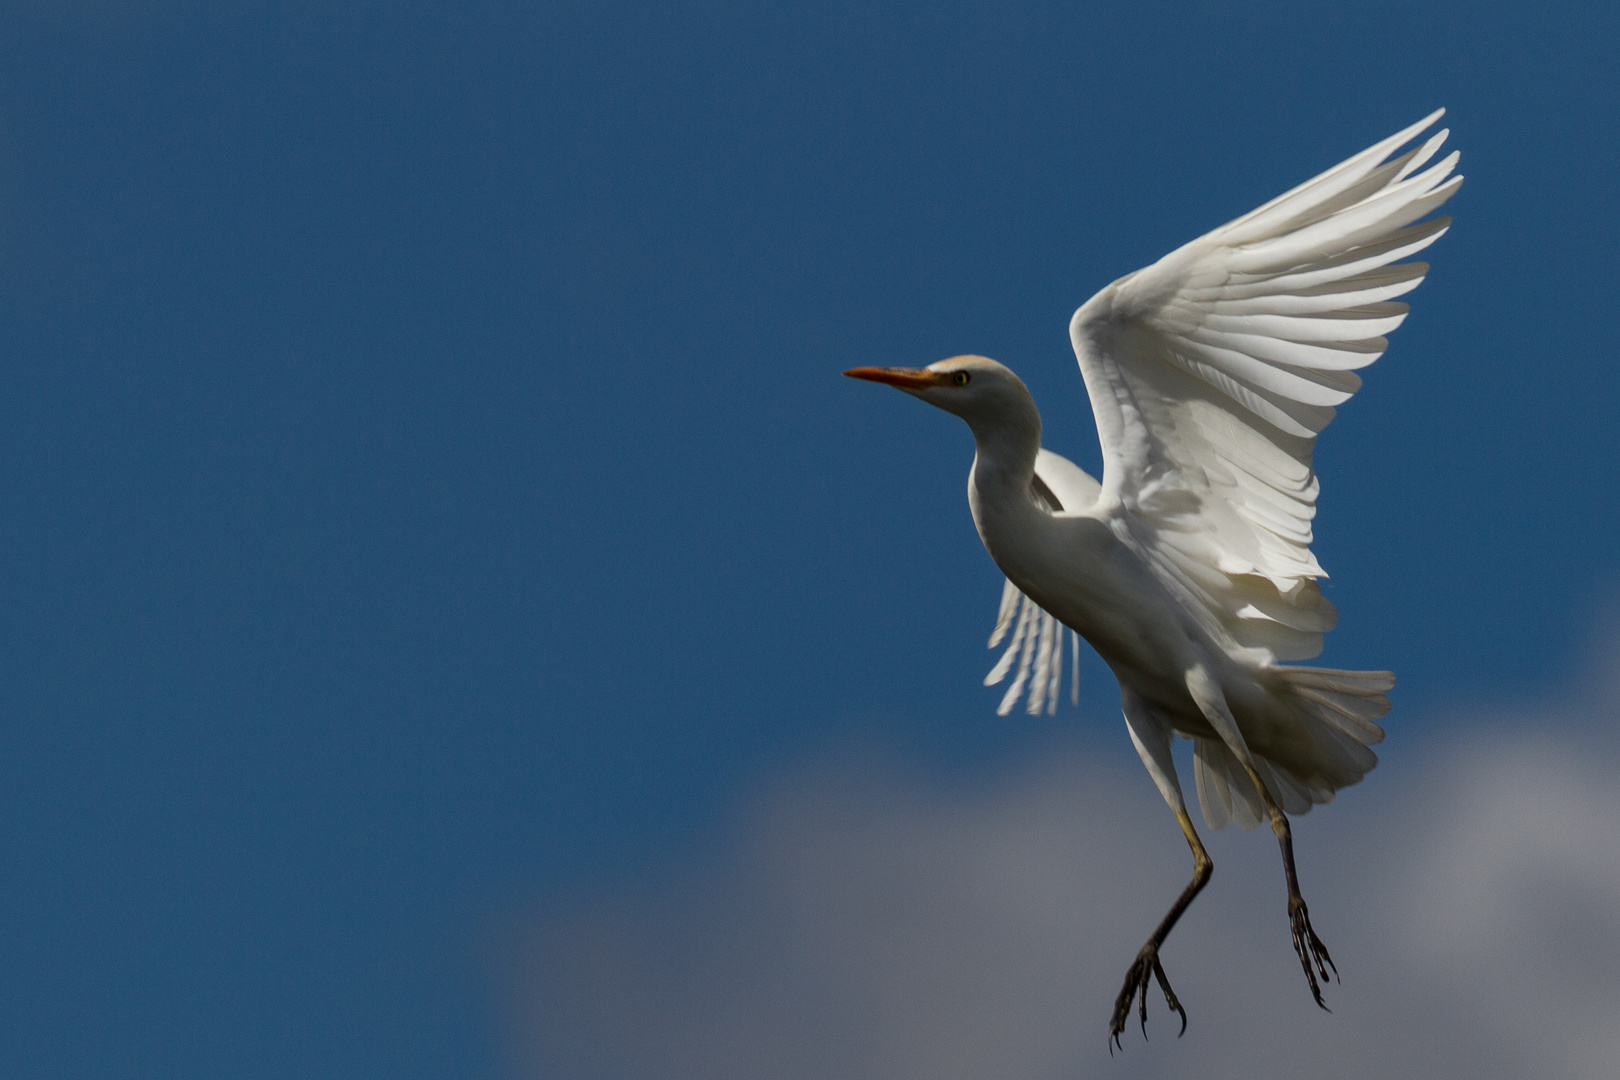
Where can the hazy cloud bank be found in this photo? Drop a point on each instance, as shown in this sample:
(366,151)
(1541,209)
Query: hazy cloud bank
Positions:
(871,925)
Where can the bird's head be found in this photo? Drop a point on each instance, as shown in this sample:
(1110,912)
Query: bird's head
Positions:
(976,388)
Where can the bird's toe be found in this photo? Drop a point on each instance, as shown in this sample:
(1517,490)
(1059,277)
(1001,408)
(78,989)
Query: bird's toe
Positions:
(1313,954)
(1144,970)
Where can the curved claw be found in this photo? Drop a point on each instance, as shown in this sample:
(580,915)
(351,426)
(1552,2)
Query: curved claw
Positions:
(1144,971)
(1310,949)
(1170,1000)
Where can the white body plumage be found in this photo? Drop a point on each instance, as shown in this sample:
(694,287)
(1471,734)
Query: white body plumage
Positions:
(1210,374)
(1188,567)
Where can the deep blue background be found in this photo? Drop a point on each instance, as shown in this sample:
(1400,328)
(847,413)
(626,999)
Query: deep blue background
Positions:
(426,487)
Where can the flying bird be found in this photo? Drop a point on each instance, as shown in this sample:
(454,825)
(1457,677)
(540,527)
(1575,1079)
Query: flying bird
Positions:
(1188,568)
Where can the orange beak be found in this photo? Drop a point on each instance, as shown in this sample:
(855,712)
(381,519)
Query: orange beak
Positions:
(906,378)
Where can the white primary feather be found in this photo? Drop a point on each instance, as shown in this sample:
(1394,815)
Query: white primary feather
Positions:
(1029,624)
(1055,686)
(1026,611)
(1037,645)
(1062,486)
(1004,617)
(1074,666)
(1211,372)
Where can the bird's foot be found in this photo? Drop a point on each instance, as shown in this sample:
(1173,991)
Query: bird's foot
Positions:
(1142,973)
(1312,953)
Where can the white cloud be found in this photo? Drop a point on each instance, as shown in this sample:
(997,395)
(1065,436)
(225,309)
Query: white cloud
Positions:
(869,924)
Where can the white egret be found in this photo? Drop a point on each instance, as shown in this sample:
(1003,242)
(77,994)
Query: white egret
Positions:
(1188,568)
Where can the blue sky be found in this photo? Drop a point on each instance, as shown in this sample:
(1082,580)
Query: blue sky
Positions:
(432,510)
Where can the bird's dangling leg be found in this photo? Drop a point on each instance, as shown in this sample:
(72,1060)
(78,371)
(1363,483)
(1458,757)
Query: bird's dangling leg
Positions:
(1147,967)
(1313,955)
(1152,738)
(1207,694)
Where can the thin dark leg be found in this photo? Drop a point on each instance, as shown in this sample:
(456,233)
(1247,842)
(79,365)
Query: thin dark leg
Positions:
(1307,945)
(1147,967)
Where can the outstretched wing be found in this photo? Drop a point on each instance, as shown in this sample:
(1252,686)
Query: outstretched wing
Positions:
(1212,371)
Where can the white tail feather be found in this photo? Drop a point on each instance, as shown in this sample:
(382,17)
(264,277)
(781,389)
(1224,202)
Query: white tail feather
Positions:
(1225,791)
(1338,709)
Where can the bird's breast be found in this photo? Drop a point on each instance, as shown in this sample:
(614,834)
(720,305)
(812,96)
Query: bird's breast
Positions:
(1074,567)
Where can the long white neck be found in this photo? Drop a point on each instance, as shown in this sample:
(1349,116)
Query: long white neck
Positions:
(1008,439)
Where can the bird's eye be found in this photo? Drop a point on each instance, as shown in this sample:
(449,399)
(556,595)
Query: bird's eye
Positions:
(961,378)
